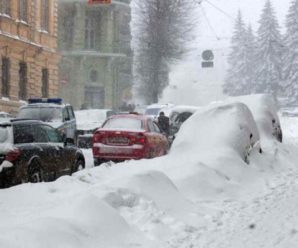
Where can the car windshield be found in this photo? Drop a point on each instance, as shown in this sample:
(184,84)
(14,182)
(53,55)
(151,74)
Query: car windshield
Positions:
(47,114)
(152,111)
(124,123)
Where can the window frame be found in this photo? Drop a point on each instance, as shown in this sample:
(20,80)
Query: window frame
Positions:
(5,7)
(45,82)
(23,80)
(45,15)
(5,76)
(23,10)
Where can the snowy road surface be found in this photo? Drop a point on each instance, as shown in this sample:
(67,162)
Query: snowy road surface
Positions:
(177,201)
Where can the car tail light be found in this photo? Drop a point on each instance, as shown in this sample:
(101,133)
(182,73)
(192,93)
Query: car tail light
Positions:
(139,139)
(98,137)
(13,155)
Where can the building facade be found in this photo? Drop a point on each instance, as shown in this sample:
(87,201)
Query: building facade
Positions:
(94,42)
(28,43)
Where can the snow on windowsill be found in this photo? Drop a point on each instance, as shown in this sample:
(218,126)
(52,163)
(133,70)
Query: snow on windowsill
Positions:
(22,22)
(5,15)
(43,31)
(5,99)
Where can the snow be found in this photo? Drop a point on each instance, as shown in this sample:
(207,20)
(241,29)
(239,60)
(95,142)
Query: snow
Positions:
(91,118)
(202,194)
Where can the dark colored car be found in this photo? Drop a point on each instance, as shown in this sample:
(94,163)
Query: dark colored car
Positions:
(33,151)
(130,136)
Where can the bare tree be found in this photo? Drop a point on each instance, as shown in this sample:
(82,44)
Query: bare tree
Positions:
(162,29)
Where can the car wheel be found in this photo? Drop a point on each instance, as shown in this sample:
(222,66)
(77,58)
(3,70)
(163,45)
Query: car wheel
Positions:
(79,165)
(35,174)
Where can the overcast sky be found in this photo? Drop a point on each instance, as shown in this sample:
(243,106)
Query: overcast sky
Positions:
(220,27)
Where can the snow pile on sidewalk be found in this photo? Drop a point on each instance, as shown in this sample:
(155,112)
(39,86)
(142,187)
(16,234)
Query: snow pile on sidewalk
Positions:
(171,201)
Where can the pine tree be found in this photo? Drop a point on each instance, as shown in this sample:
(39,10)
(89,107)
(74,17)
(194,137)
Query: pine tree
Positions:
(250,58)
(235,80)
(269,53)
(291,54)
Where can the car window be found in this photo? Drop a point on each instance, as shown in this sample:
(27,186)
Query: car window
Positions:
(23,134)
(40,135)
(156,128)
(52,134)
(70,113)
(65,115)
(124,123)
(150,126)
(47,114)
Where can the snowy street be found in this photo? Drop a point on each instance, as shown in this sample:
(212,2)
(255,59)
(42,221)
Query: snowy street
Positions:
(178,200)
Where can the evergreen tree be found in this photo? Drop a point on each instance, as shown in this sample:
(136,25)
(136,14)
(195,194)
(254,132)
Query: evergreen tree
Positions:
(291,54)
(269,53)
(236,80)
(250,59)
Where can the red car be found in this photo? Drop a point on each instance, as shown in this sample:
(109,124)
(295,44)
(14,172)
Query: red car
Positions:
(128,136)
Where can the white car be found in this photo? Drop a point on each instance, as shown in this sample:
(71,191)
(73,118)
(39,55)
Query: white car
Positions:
(154,109)
(87,121)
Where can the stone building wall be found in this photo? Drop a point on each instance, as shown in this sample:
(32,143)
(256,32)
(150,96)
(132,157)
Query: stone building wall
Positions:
(27,39)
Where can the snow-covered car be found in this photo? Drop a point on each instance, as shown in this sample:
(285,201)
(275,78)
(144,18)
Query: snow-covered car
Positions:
(219,127)
(178,115)
(264,111)
(87,122)
(130,136)
(52,111)
(32,151)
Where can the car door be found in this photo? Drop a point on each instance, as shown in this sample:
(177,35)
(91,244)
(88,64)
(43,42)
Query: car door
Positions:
(64,154)
(48,155)
(161,141)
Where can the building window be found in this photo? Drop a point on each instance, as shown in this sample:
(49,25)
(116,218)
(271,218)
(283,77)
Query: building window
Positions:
(23,10)
(45,15)
(68,36)
(23,81)
(45,82)
(5,7)
(93,76)
(5,76)
(89,30)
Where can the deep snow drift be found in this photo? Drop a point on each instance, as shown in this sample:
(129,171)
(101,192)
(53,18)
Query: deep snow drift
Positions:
(202,194)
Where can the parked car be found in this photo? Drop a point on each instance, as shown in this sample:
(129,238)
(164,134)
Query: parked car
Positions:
(178,115)
(87,122)
(54,112)
(130,136)
(153,110)
(32,151)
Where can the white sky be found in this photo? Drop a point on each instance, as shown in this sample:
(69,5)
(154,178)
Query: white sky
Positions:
(222,26)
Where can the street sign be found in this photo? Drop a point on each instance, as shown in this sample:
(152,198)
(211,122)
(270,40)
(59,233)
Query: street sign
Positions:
(99,1)
(208,58)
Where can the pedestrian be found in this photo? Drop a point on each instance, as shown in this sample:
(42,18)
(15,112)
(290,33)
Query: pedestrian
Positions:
(164,123)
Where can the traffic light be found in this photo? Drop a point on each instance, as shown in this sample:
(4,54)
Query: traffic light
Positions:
(99,1)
